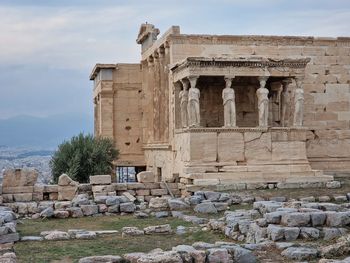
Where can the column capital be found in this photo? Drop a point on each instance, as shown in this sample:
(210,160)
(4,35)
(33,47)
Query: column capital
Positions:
(262,81)
(286,81)
(185,83)
(193,80)
(299,82)
(228,81)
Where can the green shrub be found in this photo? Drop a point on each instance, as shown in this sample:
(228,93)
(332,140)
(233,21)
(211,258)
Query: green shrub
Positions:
(83,156)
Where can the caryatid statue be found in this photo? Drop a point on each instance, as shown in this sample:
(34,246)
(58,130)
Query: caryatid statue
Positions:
(285,102)
(183,96)
(193,103)
(228,98)
(263,102)
(298,104)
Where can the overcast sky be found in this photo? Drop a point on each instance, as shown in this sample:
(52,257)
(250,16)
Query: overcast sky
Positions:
(48,47)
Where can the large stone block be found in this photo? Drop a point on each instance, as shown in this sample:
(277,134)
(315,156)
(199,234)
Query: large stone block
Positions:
(257,146)
(7,198)
(203,147)
(9,238)
(159,192)
(66,192)
(26,197)
(230,146)
(120,186)
(102,188)
(51,188)
(292,150)
(143,192)
(18,189)
(135,186)
(89,210)
(145,177)
(100,179)
(38,188)
(295,219)
(65,180)
(19,177)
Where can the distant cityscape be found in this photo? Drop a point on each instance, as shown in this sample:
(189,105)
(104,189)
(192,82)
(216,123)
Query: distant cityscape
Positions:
(30,157)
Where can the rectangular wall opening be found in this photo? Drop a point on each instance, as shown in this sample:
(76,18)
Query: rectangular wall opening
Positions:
(127,174)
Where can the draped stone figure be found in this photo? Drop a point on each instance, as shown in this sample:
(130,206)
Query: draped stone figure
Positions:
(285,103)
(193,103)
(263,103)
(228,97)
(298,105)
(183,96)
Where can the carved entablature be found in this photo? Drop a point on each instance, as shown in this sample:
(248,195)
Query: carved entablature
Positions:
(254,66)
(240,129)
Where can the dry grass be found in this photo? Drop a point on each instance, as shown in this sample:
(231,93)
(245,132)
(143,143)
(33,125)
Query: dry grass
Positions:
(72,250)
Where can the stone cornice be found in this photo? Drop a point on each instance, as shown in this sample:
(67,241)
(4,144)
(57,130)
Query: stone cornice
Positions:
(253,62)
(238,129)
(242,40)
(98,67)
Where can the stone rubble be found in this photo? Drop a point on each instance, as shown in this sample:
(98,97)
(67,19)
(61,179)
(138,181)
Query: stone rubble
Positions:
(220,252)
(276,222)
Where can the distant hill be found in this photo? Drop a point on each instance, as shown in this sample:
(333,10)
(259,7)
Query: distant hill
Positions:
(46,132)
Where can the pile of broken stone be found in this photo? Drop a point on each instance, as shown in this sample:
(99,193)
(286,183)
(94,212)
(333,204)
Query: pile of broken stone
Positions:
(223,252)
(277,222)
(270,222)
(81,206)
(8,234)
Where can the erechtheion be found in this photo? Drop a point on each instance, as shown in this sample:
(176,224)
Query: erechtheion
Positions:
(226,111)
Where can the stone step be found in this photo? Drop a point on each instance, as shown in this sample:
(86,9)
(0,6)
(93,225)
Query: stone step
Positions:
(267,168)
(252,176)
(292,165)
(227,185)
(291,178)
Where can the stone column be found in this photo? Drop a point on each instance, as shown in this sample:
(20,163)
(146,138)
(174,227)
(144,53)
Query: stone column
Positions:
(193,103)
(183,96)
(228,98)
(263,102)
(298,104)
(156,97)
(285,102)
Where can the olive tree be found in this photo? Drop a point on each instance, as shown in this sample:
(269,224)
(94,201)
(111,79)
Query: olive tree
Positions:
(82,156)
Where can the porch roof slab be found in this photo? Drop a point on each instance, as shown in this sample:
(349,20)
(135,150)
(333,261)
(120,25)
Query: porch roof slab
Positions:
(248,66)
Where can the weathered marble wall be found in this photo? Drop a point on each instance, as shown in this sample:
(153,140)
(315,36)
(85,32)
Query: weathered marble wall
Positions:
(326,84)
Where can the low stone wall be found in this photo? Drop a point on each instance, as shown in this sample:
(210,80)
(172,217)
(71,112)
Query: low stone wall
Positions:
(20,186)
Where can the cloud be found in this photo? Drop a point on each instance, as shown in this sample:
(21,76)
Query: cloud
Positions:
(49,47)
(73,37)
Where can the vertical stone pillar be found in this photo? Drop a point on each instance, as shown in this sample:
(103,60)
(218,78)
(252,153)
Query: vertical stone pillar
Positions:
(193,103)
(263,102)
(285,102)
(150,77)
(228,98)
(183,96)
(298,104)
(106,109)
(156,97)
(162,93)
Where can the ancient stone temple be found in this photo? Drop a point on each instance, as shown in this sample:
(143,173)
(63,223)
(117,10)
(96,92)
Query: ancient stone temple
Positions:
(229,112)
